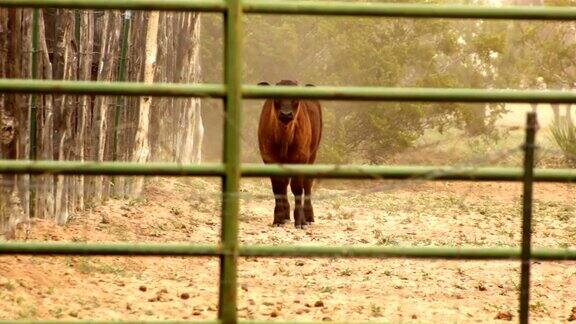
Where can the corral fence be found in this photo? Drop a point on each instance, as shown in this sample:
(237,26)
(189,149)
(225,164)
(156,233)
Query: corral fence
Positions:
(231,170)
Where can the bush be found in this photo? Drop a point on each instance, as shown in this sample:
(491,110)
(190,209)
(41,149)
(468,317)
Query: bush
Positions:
(564,135)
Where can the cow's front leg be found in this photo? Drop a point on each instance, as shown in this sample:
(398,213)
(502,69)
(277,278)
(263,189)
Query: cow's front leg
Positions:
(282,206)
(308,209)
(297,186)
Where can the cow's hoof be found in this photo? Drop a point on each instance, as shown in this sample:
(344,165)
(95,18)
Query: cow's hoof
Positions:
(300,226)
(309,223)
(277,224)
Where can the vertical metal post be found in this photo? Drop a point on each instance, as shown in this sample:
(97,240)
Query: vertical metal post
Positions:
(529,147)
(120,101)
(227,310)
(33,104)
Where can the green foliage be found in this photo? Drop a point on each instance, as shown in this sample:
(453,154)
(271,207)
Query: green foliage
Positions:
(87,265)
(391,52)
(564,135)
(9,286)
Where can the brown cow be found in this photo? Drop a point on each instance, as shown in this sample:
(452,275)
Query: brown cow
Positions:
(290,132)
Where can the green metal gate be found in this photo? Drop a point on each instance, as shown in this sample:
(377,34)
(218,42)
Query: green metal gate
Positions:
(231,170)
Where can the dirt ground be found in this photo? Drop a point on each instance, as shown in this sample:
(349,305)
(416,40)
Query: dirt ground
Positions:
(347,213)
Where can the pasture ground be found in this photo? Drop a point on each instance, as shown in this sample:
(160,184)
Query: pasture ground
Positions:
(348,213)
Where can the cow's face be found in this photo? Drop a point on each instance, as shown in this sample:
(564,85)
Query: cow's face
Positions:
(286,108)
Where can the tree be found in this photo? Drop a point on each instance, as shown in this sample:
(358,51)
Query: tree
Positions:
(141,144)
(369,52)
(546,54)
(85,45)
(13,26)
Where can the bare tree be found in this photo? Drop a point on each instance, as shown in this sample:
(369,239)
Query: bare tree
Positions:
(11,30)
(85,45)
(85,56)
(141,151)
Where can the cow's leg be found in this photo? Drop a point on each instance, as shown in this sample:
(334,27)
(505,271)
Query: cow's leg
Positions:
(308,210)
(286,202)
(297,186)
(282,207)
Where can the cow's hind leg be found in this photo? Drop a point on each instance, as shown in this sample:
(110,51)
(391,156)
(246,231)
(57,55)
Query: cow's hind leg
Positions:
(297,186)
(308,209)
(282,207)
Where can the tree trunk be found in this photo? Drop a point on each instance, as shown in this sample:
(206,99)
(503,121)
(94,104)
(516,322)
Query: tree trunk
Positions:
(85,57)
(11,212)
(64,69)
(141,143)
(193,128)
(45,190)
(100,110)
(109,51)
(85,45)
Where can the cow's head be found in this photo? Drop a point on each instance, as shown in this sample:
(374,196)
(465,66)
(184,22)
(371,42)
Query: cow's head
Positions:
(286,108)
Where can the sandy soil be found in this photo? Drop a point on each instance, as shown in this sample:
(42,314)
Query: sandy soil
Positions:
(348,213)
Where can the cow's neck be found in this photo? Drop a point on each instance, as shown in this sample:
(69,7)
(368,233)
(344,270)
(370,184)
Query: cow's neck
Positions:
(287,134)
(286,137)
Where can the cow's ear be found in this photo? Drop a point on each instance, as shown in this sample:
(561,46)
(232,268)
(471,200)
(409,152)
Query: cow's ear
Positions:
(263,83)
(310,85)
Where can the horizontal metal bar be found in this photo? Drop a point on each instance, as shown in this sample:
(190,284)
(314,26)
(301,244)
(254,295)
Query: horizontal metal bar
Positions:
(176,322)
(110,168)
(266,170)
(112,88)
(176,5)
(109,322)
(317,8)
(406,172)
(459,253)
(392,172)
(148,249)
(260,92)
(308,322)
(407,10)
(173,249)
(411,94)
(554,175)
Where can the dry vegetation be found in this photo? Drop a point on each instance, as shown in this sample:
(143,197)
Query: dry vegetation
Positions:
(348,213)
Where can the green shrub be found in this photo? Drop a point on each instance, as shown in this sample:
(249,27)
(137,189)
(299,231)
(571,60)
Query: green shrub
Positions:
(564,135)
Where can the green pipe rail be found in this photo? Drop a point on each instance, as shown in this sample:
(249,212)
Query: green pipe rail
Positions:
(231,170)
(207,250)
(253,170)
(259,92)
(172,322)
(315,8)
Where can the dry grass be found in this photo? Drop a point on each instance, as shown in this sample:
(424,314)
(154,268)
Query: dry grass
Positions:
(413,214)
(348,213)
